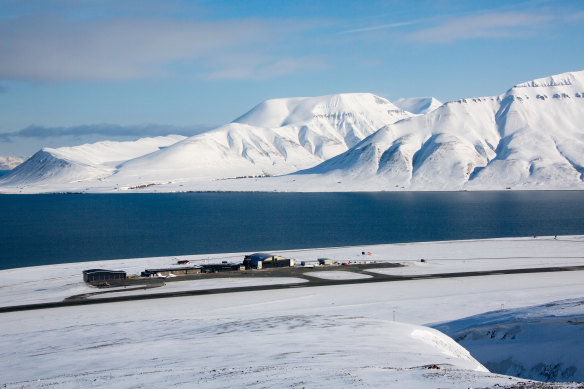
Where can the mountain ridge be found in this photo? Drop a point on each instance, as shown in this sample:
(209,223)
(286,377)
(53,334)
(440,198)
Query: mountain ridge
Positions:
(529,137)
(494,142)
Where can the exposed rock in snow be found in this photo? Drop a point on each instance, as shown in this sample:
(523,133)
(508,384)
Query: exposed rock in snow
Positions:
(542,135)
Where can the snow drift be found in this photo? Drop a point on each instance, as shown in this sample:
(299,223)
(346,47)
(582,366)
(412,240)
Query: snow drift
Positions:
(542,342)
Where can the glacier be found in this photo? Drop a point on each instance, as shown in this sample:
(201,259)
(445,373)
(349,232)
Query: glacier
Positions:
(529,137)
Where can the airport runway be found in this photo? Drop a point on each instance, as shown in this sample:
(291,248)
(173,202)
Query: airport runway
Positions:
(311,282)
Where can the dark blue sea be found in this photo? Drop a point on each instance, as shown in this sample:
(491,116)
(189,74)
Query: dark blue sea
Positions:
(49,229)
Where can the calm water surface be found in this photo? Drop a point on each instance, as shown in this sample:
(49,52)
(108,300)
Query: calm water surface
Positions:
(48,229)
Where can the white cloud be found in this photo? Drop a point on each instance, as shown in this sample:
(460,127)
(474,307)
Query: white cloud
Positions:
(261,67)
(380,27)
(103,130)
(491,25)
(49,50)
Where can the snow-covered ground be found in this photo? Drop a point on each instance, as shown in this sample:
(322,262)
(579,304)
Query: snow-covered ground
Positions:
(337,275)
(56,282)
(370,335)
(208,284)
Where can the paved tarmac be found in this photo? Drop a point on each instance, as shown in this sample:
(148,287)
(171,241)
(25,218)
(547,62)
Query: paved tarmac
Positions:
(311,282)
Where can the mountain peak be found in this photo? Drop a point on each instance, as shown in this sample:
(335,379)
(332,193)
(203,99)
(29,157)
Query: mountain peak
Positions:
(418,105)
(563,79)
(289,111)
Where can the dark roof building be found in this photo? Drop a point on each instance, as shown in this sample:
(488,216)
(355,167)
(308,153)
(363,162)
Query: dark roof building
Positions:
(103,275)
(263,260)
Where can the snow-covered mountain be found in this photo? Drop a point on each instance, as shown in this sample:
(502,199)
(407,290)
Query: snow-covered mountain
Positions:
(532,136)
(276,137)
(82,163)
(418,105)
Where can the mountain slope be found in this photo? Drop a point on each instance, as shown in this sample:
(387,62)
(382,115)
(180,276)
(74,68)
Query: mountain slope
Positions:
(541,124)
(276,137)
(532,136)
(82,163)
(353,116)
(230,151)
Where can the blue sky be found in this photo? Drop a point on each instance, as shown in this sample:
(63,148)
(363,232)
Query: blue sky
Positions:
(75,71)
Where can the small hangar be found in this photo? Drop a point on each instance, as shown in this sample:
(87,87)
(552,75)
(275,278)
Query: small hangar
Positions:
(264,260)
(103,275)
(177,271)
(187,271)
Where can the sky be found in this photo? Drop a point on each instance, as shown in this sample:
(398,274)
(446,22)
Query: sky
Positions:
(79,71)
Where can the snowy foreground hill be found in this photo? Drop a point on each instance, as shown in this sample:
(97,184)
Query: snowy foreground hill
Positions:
(539,342)
(530,137)
(378,335)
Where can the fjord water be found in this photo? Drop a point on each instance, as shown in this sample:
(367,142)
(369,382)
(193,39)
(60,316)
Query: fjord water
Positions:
(60,228)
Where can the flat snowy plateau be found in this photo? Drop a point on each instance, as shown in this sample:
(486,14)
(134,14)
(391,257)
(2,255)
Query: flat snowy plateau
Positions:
(529,137)
(380,334)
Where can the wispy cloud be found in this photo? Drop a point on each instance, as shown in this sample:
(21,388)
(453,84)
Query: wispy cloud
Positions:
(50,50)
(490,25)
(575,17)
(236,67)
(380,27)
(102,130)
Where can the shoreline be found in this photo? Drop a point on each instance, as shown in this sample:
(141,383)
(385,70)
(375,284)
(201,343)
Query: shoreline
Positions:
(53,283)
(276,191)
(228,255)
